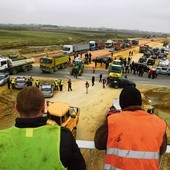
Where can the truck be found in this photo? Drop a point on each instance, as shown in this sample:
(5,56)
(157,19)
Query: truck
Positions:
(78,67)
(117,45)
(94,45)
(109,43)
(75,49)
(14,65)
(115,71)
(52,64)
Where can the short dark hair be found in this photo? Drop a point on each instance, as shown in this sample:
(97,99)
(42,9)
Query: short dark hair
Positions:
(130,96)
(29,100)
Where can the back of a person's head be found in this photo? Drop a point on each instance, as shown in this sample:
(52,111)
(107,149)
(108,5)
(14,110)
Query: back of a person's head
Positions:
(130,96)
(29,100)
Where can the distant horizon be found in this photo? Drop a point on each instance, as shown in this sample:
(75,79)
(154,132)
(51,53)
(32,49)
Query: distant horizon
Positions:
(35,24)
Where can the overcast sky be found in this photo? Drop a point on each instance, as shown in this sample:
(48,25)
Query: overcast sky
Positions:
(147,15)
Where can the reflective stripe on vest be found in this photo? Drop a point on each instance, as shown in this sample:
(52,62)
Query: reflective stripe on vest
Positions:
(110,167)
(133,154)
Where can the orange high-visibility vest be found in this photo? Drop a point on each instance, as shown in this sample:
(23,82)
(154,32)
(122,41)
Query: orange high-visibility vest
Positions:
(134,141)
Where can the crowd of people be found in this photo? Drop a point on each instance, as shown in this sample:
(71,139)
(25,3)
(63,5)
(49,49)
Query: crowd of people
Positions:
(132,138)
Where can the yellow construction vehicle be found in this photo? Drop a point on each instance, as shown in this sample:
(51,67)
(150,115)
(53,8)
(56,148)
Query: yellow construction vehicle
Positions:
(52,64)
(63,114)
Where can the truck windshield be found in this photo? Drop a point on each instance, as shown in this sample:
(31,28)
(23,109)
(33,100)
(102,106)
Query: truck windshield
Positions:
(45,61)
(115,69)
(66,49)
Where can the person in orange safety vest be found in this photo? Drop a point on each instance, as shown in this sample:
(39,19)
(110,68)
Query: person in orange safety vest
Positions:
(133,138)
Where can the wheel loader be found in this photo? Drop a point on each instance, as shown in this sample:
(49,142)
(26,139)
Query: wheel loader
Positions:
(63,114)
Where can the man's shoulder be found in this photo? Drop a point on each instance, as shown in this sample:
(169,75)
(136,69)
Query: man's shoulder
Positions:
(65,130)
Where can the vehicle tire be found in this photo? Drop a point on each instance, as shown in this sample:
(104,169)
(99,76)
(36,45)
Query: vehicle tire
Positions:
(30,68)
(25,69)
(14,71)
(74,132)
(116,86)
(65,65)
(51,70)
(62,66)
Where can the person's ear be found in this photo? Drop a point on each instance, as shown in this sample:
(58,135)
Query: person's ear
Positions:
(43,108)
(15,106)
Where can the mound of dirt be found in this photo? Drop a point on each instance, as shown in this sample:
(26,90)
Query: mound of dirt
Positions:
(160,98)
(7,108)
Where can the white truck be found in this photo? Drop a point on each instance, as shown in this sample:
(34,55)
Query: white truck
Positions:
(109,43)
(75,49)
(12,66)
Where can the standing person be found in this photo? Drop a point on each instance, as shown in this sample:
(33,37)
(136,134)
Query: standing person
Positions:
(90,55)
(93,80)
(94,70)
(112,54)
(61,85)
(87,86)
(56,84)
(13,82)
(129,53)
(37,83)
(75,72)
(108,80)
(33,134)
(133,138)
(106,65)
(29,82)
(104,82)
(150,73)
(100,78)
(31,79)
(69,85)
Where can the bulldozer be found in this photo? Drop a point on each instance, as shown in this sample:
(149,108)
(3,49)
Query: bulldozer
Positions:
(78,67)
(63,114)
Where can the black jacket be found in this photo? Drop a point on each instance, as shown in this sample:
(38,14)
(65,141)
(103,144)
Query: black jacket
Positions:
(70,154)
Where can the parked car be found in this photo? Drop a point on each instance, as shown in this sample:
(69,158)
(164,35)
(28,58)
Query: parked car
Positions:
(4,77)
(47,89)
(121,83)
(163,70)
(111,49)
(142,59)
(20,82)
(150,61)
(164,62)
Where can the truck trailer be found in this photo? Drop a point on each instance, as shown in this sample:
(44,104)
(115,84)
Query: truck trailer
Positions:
(52,64)
(12,66)
(75,49)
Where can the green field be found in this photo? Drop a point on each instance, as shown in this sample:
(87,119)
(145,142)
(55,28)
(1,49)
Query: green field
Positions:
(29,39)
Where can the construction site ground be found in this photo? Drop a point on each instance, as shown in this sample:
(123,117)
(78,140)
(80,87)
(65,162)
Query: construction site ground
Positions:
(94,105)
